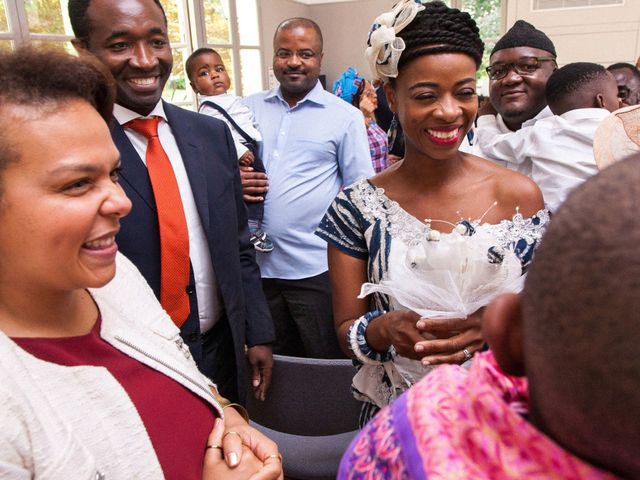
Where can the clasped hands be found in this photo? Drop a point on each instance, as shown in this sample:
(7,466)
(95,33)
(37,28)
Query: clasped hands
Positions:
(404,330)
(237,451)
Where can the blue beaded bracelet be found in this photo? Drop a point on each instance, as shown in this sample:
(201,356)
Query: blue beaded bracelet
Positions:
(358,343)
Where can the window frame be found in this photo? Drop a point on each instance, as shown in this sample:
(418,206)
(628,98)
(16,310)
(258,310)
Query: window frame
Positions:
(192,28)
(588,4)
(199,33)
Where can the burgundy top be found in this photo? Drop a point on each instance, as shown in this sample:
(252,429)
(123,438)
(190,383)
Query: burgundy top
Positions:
(177,420)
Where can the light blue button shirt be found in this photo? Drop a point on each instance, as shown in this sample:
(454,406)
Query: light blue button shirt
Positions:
(310,151)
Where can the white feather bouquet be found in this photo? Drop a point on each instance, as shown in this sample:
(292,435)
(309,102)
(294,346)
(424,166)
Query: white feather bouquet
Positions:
(452,275)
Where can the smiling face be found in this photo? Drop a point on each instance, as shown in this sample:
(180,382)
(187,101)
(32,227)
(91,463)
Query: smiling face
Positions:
(436,102)
(518,98)
(208,75)
(61,203)
(296,61)
(130,38)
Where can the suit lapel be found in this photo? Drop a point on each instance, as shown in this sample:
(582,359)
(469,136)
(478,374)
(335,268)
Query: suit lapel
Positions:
(192,157)
(134,172)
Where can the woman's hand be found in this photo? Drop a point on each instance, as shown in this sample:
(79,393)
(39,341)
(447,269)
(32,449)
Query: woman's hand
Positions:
(230,465)
(238,436)
(453,337)
(367,107)
(397,328)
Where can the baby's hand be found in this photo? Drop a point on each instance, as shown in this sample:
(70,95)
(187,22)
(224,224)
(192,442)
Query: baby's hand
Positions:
(247,159)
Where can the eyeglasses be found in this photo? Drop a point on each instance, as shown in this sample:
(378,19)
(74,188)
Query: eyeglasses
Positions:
(523,66)
(283,54)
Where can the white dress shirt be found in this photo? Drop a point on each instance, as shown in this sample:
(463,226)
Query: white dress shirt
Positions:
(207,289)
(492,131)
(558,148)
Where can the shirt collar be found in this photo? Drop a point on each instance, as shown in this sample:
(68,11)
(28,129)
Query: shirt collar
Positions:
(124,115)
(315,95)
(544,113)
(585,113)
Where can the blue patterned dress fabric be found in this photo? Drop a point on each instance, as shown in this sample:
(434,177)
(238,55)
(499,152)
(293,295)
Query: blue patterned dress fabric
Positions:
(364,223)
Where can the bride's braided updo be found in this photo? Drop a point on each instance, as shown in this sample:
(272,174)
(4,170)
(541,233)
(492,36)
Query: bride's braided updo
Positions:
(440,29)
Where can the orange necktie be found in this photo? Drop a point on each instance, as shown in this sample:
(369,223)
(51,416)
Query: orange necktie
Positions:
(174,235)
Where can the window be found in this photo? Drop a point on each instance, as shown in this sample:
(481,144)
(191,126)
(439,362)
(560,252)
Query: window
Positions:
(229,26)
(177,89)
(40,22)
(487,14)
(558,4)
(6,38)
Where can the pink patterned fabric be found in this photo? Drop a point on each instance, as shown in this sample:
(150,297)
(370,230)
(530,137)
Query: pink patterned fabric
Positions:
(378,147)
(462,424)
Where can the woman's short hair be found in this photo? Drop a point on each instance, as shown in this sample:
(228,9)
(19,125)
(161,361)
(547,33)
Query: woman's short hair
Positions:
(41,79)
(440,29)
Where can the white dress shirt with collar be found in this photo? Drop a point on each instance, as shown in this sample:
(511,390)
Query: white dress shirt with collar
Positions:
(207,290)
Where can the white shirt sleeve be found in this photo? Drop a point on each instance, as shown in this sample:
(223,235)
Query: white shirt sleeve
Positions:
(493,142)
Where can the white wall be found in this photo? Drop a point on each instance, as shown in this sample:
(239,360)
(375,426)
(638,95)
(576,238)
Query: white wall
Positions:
(272,12)
(344,28)
(594,34)
(603,34)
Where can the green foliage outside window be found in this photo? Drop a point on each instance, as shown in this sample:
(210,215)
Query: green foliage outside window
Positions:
(173,20)
(216,21)
(486,13)
(45,16)
(4,25)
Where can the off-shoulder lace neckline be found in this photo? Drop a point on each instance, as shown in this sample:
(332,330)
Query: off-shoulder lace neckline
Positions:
(393,207)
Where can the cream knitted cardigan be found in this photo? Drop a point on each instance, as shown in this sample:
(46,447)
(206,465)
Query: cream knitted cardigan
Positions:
(60,422)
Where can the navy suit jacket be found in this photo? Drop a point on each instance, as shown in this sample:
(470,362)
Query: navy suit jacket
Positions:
(211,163)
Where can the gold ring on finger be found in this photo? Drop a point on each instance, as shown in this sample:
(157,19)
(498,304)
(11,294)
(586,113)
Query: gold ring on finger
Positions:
(273,455)
(217,447)
(231,432)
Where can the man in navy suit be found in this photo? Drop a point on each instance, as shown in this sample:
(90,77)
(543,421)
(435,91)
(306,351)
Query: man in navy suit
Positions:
(227,308)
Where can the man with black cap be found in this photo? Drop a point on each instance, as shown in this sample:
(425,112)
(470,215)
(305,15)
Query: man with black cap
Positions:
(520,65)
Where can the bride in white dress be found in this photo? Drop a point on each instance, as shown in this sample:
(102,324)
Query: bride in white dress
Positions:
(373,223)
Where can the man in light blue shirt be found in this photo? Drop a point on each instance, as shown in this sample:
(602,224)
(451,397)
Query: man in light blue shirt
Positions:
(313,144)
